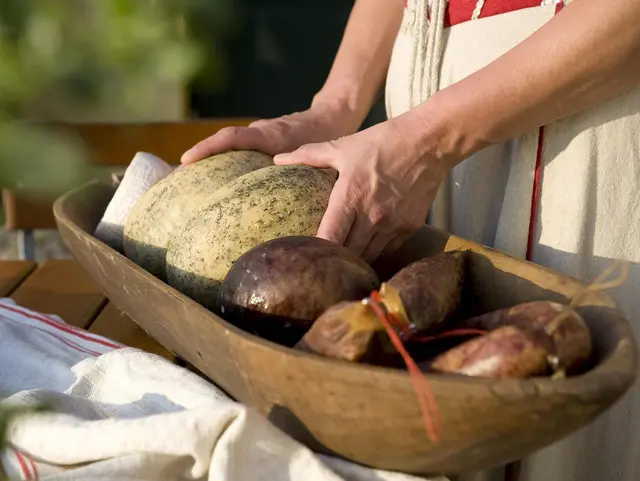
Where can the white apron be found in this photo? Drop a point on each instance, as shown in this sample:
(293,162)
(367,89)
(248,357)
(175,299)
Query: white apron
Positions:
(566,196)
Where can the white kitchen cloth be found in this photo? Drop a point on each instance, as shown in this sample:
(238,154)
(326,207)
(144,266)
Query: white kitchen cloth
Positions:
(144,171)
(118,413)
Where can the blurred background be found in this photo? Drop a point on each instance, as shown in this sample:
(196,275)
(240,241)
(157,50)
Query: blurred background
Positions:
(276,57)
(147,60)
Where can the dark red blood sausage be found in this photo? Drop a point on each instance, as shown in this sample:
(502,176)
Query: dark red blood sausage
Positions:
(505,352)
(567,337)
(288,282)
(424,293)
(349,331)
(430,289)
(534,338)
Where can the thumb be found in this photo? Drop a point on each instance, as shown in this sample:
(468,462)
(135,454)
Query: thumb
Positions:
(313,155)
(228,138)
(339,216)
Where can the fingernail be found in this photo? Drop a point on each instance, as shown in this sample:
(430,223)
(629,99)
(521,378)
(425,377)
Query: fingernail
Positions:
(186,156)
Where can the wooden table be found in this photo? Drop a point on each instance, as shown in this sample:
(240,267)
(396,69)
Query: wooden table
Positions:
(63,288)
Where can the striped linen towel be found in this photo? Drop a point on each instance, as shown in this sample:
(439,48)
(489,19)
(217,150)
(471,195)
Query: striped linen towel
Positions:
(118,413)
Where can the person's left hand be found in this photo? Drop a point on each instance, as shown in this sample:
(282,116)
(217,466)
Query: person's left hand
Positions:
(384,190)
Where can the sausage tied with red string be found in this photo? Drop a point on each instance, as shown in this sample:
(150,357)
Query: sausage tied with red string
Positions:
(320,289)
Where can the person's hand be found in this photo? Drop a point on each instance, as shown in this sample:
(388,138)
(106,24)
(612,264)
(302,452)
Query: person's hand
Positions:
(274,136)
(383,193)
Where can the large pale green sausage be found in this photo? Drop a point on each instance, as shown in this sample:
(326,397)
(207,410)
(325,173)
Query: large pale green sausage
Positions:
(257,207)
(169,203)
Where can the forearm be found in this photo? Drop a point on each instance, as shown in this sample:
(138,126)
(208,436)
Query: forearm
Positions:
(361,63)
(585,55)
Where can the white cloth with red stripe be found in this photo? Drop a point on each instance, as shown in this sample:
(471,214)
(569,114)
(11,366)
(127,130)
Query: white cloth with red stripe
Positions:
(118,413)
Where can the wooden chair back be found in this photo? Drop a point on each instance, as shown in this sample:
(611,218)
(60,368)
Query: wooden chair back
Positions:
(109,145)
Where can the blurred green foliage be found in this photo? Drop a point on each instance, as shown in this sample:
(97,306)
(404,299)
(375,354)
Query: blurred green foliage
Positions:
(79,55)
(73,56)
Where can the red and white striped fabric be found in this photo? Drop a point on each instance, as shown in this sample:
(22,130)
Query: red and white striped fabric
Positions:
(118,413)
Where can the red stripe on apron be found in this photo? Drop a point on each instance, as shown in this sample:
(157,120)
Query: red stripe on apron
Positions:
(460,11)
(535,195)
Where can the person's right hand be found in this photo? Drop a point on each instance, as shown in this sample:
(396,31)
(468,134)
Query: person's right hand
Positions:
(320,123)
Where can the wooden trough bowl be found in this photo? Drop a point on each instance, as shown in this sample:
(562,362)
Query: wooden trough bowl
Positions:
(370,415)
